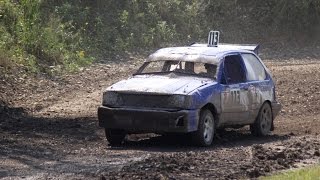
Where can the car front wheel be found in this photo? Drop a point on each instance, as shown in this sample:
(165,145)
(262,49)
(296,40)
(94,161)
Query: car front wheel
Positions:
(115,137)
(262,125)
(204,135)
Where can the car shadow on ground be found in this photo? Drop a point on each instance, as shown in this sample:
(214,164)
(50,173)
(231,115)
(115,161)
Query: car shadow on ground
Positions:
(29,141)
(225,139)
(75,131)
(15,120)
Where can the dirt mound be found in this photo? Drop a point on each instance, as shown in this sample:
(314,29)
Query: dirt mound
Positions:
(224,163)
(282,156)
(298,90)
(298,87)
(184,165)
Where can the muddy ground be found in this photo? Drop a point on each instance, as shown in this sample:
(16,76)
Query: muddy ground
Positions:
(49,130)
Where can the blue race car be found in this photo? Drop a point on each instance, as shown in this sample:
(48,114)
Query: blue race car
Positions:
(195,89)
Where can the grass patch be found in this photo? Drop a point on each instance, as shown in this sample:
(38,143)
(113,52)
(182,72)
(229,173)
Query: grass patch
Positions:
(311,173)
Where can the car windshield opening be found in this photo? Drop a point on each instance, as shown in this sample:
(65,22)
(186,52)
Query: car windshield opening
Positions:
(179,67)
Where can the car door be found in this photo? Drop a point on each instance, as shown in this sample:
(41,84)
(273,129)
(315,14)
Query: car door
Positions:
(259,83)
(234,94)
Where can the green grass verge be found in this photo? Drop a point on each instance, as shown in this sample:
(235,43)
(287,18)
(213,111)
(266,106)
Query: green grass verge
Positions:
(311,173)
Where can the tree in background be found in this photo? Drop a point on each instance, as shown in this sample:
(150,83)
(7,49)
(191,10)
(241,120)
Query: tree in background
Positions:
(67,34)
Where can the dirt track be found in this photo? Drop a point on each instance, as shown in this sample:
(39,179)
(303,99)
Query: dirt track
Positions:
(51,131)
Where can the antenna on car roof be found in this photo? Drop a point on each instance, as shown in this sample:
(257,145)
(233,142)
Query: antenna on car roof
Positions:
(213,38)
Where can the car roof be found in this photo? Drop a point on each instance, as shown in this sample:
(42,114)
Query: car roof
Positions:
(200,53)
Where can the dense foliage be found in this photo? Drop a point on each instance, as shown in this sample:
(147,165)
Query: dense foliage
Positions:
(290,19)
(64,35)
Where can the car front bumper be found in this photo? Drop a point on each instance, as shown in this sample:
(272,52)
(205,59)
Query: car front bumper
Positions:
(148,120)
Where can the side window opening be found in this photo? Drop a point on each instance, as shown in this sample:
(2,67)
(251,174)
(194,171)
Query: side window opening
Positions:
(255,70)
(233,70)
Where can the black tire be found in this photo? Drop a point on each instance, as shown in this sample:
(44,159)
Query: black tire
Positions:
(115,137)
(206,130)
(263,123)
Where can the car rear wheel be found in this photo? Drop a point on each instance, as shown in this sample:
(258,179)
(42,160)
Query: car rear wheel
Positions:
(115,137)
(262,125)
(204,135)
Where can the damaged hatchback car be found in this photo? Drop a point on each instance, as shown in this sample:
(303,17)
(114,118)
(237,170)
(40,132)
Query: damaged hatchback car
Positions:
(196,90)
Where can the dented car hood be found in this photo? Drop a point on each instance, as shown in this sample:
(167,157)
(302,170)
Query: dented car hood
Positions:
(156,84)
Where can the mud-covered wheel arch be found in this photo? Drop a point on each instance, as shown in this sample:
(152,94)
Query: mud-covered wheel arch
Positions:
(214,112)
(263,124)
(206,127)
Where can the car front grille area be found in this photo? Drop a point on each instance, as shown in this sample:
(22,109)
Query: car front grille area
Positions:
(144,101)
